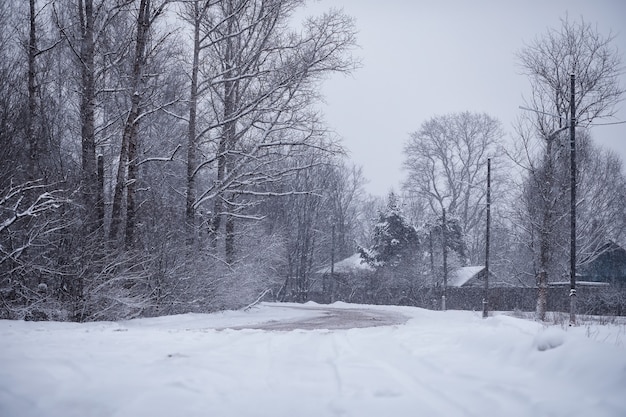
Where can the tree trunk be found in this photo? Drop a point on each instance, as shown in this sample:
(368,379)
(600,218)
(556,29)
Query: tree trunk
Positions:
(545,234)
(32,139)
(542,295)
(229,241)
(89,184)
(128,152)
(131,186)
(228,137)
(100,193)
(191,133)
(118,194)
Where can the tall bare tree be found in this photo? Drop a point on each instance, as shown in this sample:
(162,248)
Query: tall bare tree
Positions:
(601,199)
(575,48)
(196,13)
(260,79)
(446,164)
(86,57)
(126,180)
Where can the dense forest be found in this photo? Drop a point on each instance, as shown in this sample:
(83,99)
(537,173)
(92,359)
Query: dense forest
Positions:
(169,156)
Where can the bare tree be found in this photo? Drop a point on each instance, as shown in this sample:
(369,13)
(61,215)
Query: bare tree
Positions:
(345,196)
(601,198)
(26,225)
(128,158)
(106,106)
(87,27)
(11,101)
(579,48)
(576,48)
(198,14)
(86,57)
(261,81)
(446,164)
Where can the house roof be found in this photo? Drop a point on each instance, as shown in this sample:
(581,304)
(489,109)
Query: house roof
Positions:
(462,275)
(609,246)
(351,264)
(579,283)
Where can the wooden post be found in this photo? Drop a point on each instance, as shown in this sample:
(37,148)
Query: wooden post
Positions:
(444,235)
(486,294)
(572,135)
(332,264)
(432,256)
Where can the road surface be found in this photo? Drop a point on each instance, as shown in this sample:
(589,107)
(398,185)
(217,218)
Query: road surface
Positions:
(332,318)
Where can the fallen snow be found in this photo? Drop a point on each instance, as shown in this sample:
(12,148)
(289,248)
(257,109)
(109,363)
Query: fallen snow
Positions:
(450,363)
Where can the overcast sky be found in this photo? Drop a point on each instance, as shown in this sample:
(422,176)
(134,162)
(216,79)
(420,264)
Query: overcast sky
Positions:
(426,58)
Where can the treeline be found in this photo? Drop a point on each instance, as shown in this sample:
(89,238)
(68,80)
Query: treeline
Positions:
(169,156)
(438,223)
(166,156)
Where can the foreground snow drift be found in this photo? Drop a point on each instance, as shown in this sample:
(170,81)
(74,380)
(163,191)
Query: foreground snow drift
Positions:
(437,364)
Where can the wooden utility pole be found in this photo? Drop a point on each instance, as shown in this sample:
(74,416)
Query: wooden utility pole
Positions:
(572,135)
(332,264)
(432,255)
(486,294)
(444,239)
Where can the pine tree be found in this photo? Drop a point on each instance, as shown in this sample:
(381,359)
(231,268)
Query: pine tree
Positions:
(395,240)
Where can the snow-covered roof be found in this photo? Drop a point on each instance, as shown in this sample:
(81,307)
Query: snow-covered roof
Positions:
(460,277)
(581,283)
(352,264)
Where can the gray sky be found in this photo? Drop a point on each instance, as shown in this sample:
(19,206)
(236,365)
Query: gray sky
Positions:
(425,58)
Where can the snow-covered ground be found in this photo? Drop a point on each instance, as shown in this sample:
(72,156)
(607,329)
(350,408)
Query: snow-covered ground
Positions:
(450,363)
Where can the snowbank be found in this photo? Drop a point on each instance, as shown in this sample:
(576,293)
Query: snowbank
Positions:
(438,364)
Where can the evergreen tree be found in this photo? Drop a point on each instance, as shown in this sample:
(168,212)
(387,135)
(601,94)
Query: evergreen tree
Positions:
(395,240)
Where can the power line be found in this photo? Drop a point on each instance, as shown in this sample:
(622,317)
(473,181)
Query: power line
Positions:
(608,123)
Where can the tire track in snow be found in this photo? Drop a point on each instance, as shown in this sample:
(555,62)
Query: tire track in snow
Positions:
(499,394)
(436,401)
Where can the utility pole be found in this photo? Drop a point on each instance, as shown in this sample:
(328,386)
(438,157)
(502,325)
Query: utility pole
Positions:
(572,136)
(432,255)
(486,294)
(572,265)
(444,239)
(332,264)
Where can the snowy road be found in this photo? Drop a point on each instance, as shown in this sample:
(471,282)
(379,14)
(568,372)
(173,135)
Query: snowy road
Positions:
(436,364)
(331,318)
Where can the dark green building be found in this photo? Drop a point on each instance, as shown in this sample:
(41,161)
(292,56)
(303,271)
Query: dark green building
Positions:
(608,266)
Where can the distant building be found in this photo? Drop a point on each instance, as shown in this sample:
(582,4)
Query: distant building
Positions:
(350,265)
(470,276)
(608,266)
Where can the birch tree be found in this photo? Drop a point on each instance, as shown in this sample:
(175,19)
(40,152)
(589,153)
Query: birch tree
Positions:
(11,101)
(126,180)
(85,52)
(261,80)
(87,27)
(197,14)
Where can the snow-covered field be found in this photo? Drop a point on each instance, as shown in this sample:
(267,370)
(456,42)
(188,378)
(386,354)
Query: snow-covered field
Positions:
(450,363)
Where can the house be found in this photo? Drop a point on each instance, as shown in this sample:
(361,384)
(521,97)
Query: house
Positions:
(608,265)
(348,278)
(469,276)
(350,265)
